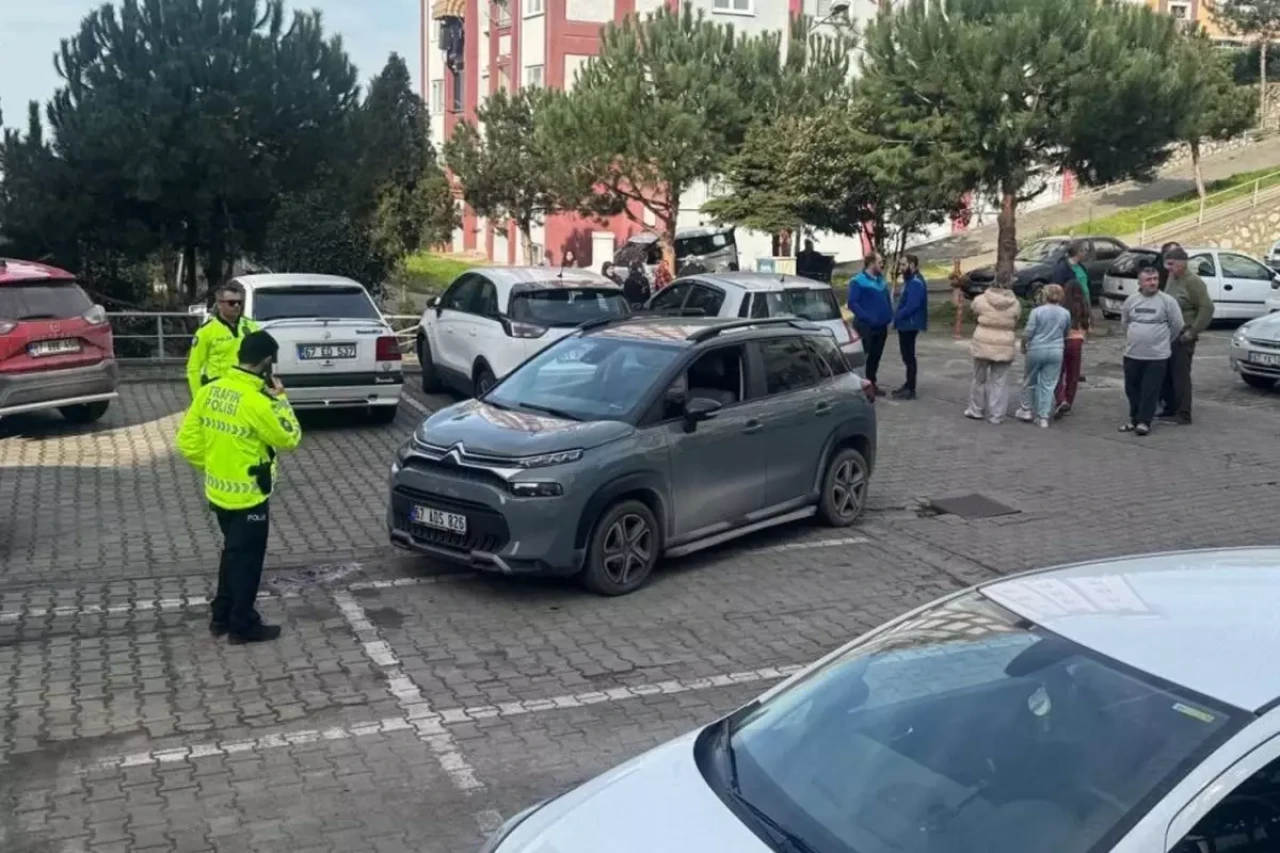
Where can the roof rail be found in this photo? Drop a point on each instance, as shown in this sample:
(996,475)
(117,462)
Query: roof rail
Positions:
(711,331)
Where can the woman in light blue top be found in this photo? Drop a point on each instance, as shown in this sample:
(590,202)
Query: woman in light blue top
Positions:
(1042,343)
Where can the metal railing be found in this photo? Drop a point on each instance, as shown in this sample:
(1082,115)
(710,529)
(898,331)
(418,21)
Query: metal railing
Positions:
(1211,208)
(167,335)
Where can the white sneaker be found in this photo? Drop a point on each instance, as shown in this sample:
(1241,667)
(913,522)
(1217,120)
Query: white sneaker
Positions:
(972,415)
(1024,415)
(1043,423)
(995,421)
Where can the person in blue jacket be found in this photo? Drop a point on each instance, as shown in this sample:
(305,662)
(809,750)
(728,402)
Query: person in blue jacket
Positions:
(910,319)
(872,307)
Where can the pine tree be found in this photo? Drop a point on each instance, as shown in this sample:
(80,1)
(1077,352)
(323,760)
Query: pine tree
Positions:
(1259,19)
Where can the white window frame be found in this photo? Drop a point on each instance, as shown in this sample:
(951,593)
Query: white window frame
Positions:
(534,80)
(537,255)
(437,96)
(729,7)
(503,17)
(533,8)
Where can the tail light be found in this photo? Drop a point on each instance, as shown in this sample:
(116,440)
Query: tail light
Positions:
(869,388)
(7,326)
(97,315)
(387,348)
(523,330)
(853,333)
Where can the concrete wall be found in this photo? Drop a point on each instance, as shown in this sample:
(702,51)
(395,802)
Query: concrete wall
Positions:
(1253,232)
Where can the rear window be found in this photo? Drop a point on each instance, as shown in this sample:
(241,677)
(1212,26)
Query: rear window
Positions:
(1128,264)
(332,303)
(567,306)
(814,304)
(44,300)
(701,245)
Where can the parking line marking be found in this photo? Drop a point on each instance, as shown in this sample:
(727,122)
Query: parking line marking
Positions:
(819,543)
(414,404)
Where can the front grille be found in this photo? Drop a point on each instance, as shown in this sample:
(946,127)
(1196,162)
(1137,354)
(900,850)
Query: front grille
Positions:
(1254,342)
(450,470)
(486,529)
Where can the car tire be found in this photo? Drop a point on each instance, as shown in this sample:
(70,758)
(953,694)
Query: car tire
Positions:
(85,413)
(844,488)
(1262,383)
(383,414)
(623,549)
(483,380)
(430,382)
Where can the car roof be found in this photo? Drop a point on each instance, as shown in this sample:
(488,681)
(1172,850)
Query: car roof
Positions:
(647,237)
(757,281)
(549,277)
(290,279)
(13,271)
(676,329)
(1205,620)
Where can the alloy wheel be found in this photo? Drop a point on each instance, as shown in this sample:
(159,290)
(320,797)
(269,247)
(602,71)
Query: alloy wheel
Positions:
(848,489)
(628,548)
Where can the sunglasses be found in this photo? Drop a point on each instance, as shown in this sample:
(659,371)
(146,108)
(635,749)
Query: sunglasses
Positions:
(230,301)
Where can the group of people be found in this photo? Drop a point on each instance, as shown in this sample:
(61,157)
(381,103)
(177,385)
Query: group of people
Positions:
(874,310)
(1162,322)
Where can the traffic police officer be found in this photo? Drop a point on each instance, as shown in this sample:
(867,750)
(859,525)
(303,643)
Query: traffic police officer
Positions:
(232,432)
(217,342)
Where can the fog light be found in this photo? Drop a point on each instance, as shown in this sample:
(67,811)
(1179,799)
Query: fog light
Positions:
(537,490)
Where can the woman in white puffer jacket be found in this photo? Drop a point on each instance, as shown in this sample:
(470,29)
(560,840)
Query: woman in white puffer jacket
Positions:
(992,348)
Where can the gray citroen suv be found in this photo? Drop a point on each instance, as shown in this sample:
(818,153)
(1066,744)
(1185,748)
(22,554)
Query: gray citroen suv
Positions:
(638,438)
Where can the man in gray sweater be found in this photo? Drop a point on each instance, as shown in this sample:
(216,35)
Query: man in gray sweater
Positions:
(1152,321)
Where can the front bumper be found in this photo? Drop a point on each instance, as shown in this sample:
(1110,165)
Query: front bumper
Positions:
(326,391)
(1256,358)
(505,533)
(1110,305)
(52,389)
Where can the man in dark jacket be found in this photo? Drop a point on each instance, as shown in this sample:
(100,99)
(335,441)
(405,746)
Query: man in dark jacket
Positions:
(1197,312)
(872,309)
(1068,269)
(910,319)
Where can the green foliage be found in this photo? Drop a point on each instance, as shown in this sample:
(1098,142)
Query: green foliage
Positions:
(1245,63)
(1021,89)
(311,232)
(1259,18)
(1215,108)
(507,171)
(424,272)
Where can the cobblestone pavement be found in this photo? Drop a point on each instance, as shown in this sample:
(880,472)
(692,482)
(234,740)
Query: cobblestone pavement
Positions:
(409,706)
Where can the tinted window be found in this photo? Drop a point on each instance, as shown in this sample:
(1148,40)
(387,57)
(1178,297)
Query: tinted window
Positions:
(716,375)
(763,304)
(788,364)
(811,304)
(670,298)
(1042,251)
(567,306)
(347,303)
(701,245)
(459,296)
(705,299)
(485,300)
(830,354)
(1105,250)
(1203,265)
(1128,264)
(44,301)
(1238,266)
(1244,821)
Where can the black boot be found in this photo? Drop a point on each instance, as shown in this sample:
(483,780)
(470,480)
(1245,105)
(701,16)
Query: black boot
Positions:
(903,393)
(259,633)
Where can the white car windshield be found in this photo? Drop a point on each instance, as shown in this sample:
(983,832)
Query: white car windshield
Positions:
(586,378)
(965,729)
(303,301)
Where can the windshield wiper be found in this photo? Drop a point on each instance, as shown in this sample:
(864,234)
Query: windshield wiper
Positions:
(782,836)
(548,410)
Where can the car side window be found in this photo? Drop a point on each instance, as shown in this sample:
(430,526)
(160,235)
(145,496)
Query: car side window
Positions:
(788,365)
(1238,266)
(459,295)
(829,355)
(1243,822)
(1203,265)
(759,306)
(706,299)
(485,299)
(718,375)
(1106,250)
(671,298)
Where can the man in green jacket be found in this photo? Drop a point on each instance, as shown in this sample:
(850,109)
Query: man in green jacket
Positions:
(1197,312)
(217,341)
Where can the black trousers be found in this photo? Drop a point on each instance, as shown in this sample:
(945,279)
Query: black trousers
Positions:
(907,347)
(1176,389)
(244,547)
(873,340)
(1142,381)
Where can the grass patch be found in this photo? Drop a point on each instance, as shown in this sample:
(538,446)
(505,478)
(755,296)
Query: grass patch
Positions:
(426,273)
(1129,222)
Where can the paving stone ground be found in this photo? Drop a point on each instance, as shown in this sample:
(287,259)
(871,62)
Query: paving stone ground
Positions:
(409,706)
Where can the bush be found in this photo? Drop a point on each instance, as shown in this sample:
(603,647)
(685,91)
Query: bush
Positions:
(423,272)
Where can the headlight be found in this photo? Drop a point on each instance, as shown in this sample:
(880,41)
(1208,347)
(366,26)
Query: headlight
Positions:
(544,460)
(495,840)
(1239,339)
(536,490)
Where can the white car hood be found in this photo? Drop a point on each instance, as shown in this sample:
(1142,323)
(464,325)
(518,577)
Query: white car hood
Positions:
(1266,327)
(657,802)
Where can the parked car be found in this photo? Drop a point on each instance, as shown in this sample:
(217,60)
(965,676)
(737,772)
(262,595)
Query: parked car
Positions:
(634,439)
(1033,265)
(56,349)
(1255,351)
(492,319)
(757,294)
(336,349)
(1238,284)
(1073,710)
(701,249)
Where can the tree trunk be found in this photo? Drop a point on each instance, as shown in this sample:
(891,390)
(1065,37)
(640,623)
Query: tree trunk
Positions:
(526,240)
(667,239)
(1195,168)
(1007,236)
(1263,45)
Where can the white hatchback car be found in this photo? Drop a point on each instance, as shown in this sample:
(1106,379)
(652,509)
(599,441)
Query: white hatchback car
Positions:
(491,319)
(1128,706)
(1238,284)
(336,350)
(758,295)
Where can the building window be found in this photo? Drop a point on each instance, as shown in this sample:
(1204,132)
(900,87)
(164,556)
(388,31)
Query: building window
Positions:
(737,7)
(456,99)
(439,34)
(533,76)
(1179,11)
(535,255)
(532,8)
(501,15)
(437,96)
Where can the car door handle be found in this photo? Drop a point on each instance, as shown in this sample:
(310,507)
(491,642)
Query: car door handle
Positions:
(752,426)
(1226,287)
(824,408)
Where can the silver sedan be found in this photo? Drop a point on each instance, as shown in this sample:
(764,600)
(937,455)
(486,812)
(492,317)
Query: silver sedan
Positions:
(1255,349)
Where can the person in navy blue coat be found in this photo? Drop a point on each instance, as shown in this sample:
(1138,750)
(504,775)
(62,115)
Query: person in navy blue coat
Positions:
(872,308)
(910,319)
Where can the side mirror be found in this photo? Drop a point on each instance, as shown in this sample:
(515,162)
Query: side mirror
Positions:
(435,304)
(697,410)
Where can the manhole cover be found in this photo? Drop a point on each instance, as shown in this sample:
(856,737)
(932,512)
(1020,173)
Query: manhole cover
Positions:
(972,506)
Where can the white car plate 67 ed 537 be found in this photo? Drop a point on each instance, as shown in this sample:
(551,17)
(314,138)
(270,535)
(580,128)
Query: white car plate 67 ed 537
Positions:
(1270,359)
(439,519)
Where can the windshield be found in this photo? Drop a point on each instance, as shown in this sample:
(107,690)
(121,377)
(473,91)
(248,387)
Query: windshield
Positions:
(703,244)
(966,729)
(346,303)
(43,301)
(1128,264)
(589,378)
(567,306)
(1040,251)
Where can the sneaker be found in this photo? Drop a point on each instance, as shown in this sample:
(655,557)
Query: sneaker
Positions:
(1141,429)
(260,633)
(903,393)
(972,415)
(1024,415)
(1062,410)
(1043,423)
(995,421)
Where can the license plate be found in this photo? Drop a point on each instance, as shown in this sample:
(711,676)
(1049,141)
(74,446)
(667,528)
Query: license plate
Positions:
(1270,359)
(310,352)
(1112,304)
(439,519)
(63,345)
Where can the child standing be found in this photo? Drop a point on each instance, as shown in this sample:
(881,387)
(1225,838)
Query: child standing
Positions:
(1042,343)
(1076,301)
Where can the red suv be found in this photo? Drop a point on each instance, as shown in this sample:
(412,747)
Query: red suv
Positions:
(55,345)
